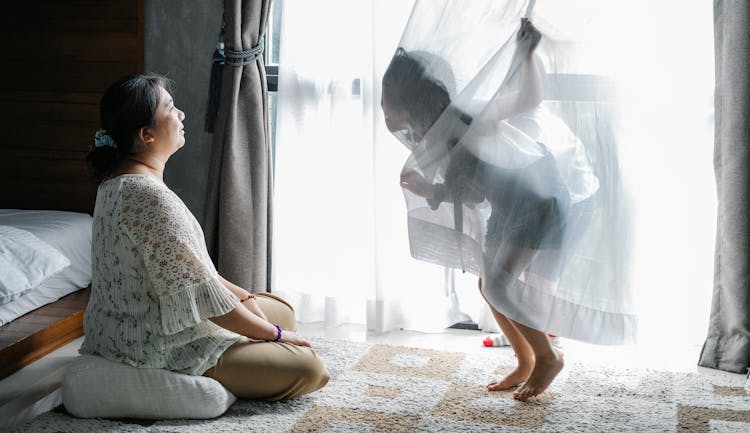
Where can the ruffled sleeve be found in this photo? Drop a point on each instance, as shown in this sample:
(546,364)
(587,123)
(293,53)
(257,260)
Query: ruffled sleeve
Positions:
(174,255)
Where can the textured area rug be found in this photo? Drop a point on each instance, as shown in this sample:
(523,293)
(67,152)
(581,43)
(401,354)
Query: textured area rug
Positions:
(393,389)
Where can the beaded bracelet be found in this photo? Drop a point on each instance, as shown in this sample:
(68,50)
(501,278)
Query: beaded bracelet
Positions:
(278,332)
(249,296)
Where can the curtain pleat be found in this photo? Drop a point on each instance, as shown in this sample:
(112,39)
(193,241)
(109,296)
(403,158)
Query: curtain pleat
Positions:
(238,205)
(727,345)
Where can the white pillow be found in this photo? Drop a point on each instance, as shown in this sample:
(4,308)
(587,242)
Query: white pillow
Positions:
(25,262)
(94,387)
(68,232)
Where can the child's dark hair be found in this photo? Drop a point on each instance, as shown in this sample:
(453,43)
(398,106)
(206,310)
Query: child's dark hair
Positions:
(128,105)
(415,91)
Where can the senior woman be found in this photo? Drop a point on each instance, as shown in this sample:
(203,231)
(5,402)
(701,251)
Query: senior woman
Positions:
(156,299)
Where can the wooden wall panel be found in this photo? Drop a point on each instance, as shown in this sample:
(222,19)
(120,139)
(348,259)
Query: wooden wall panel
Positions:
(70,46)
(56,59)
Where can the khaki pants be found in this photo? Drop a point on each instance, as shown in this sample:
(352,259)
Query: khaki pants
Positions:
(265,370)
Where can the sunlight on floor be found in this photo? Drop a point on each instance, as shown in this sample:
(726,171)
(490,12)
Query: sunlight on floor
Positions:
(677,358)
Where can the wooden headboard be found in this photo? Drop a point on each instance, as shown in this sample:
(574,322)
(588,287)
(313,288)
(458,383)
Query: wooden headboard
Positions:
(56,59)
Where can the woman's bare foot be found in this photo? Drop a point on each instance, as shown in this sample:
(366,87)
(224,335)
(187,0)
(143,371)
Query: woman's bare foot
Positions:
(544,372)
(514,378)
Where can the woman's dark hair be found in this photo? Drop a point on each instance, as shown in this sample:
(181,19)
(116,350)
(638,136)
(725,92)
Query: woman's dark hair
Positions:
(414,90)
(128,105)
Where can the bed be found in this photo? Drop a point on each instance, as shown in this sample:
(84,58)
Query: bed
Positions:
(50,112)
(48,312)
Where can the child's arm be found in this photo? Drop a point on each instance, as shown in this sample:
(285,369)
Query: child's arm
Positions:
(529,92)
(416,183)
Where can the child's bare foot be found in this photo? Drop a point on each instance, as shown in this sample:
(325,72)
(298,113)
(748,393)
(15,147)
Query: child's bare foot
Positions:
(544,372)
(514,378)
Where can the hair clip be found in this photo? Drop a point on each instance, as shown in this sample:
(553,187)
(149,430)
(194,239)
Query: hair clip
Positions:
(102,139)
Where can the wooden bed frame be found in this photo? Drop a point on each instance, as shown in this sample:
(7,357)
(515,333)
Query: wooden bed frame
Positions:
(50,87)
(41,331)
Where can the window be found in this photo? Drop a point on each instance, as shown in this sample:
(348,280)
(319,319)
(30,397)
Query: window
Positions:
(271,60)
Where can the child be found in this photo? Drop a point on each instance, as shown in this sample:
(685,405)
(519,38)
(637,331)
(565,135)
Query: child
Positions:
(527,199)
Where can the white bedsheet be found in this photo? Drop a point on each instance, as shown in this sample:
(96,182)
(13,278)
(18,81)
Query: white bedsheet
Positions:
(70,233)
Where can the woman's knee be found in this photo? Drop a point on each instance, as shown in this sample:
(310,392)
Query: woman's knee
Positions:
(277,310)
(313,371)
(275,298)
(281,371)
(308,375)
(317,375)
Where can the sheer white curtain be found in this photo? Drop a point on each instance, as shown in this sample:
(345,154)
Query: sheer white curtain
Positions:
(341,250)
(341,253)
(664,68)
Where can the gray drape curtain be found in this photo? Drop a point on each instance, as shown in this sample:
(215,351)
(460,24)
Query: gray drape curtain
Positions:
(727,346)
(238,205)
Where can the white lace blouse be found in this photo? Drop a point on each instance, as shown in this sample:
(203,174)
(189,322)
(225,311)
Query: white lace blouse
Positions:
(154,285)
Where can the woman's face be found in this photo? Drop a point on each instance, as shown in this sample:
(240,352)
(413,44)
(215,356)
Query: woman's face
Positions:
(169,132)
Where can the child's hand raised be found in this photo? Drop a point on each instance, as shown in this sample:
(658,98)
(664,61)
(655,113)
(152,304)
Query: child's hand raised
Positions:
(528,36)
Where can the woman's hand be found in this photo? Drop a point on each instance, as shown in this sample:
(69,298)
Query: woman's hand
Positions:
(293,338)
(416,183)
